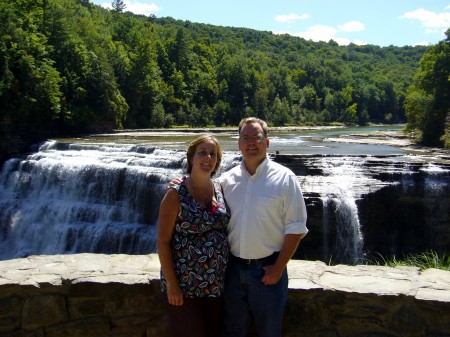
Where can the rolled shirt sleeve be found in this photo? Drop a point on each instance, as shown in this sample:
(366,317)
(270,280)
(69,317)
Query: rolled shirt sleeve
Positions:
(295,208)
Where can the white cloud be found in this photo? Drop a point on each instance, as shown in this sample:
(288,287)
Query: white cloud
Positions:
(282,32)
(422,43)
(352,26)
(429,20)
(326,33)
(432,31)
(319,33)
(137,7)
(359,42)
(142,8)
(342,41)
(290,17)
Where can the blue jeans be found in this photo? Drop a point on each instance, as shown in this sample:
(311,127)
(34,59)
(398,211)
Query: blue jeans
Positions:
(246,298)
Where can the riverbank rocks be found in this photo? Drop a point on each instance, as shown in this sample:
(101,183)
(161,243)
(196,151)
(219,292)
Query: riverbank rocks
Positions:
(84,295)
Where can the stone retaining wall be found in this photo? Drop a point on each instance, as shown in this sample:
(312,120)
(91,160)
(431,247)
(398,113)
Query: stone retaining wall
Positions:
(91,295)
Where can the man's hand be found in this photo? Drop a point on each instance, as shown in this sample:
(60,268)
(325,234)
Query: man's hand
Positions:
(274,272)
(272,275)
(176,181)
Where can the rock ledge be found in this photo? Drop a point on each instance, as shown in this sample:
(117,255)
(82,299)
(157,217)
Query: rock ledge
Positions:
(118,295)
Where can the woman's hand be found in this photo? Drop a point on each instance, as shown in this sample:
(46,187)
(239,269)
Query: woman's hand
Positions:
(175,295)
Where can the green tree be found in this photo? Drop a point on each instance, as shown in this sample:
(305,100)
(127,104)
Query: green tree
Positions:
(281,112)
(141,87)
(418,104)
(427,105)
(81,67)
(118,6)
(182,51)
(29,83)
(261,103)
(158,116)
(234,70)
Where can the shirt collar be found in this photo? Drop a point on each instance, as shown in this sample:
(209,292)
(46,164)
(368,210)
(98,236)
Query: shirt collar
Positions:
(259,169)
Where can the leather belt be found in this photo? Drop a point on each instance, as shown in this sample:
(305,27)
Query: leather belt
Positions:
(250,261)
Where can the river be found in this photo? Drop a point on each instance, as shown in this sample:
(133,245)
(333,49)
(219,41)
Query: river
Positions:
(101,193)
(313,140)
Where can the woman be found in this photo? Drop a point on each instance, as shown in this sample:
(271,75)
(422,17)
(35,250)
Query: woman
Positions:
(192,244)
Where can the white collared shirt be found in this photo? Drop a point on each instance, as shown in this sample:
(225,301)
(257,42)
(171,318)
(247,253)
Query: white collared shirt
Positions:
(264,208)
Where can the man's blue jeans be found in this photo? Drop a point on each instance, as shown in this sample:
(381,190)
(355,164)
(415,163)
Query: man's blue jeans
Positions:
(246,298)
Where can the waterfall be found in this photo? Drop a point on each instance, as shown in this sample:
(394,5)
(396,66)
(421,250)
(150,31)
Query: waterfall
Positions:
(79,198)
(344,239)
(69,198)
(364,207)
(338,184)
(347,241)
(104,198)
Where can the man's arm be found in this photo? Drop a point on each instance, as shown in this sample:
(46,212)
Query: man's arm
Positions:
(296,217)
(273,272)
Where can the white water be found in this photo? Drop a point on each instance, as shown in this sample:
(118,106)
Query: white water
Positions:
(104,197)
(348,239)
(84,198)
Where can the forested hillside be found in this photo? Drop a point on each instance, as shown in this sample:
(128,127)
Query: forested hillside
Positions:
(72,66)
(427,103)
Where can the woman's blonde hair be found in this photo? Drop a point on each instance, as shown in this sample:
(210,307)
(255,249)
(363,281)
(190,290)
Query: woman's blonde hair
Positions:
(193,147)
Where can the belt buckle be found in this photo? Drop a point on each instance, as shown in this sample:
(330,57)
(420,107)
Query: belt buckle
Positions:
(248,261)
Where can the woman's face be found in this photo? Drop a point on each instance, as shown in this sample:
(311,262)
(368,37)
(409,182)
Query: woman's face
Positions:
(205,157)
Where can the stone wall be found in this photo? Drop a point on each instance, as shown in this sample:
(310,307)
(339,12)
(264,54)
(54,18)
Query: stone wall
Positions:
(90,295)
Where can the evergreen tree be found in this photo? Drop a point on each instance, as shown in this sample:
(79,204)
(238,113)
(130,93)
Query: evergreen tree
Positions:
(118,6)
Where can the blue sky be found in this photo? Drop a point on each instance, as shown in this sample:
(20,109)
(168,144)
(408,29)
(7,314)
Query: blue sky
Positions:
(378,22)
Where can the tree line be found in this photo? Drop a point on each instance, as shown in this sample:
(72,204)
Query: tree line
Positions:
(427,104)
(72,66)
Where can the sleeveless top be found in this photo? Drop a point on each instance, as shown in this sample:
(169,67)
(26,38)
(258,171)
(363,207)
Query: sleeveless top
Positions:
(199,245)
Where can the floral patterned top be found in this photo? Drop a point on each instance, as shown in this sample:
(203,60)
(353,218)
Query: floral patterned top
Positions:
(199,245)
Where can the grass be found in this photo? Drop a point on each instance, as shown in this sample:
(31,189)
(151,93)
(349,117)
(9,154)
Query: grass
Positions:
(425,260)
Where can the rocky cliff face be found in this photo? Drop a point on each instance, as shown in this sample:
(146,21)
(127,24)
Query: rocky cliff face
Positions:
(12,141)
(91,295)
(361,207)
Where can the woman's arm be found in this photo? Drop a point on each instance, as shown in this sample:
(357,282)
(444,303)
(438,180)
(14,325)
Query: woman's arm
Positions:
(168,212)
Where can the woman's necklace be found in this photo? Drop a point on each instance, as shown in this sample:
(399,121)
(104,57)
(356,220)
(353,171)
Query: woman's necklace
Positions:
(203,195)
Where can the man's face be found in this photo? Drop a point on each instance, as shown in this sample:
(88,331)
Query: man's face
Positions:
(252,143)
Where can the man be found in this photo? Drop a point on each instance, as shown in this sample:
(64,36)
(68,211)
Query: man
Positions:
(268,220)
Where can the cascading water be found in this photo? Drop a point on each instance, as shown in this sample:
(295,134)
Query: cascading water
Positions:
(80,198)
(364,207)
(347,242)
(341,182)
(84,198)
(342,233)
(104,198)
